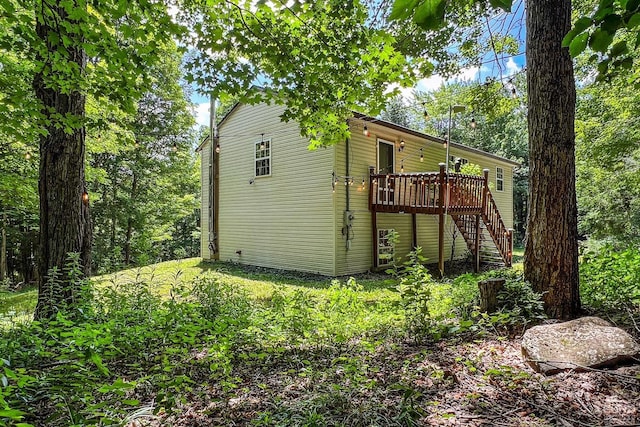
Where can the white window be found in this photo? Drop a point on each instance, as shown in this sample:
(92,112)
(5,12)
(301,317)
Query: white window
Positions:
(386,250)
(499,179)
(263,157)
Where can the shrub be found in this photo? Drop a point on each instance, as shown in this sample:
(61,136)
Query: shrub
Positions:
(71,370)
(415,287)
(610,278)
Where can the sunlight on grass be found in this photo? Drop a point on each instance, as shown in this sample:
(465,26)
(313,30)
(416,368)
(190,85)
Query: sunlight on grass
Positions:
(257,282)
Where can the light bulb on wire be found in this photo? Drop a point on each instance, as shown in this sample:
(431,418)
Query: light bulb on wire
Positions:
(473,123)
(421,156)
(365,131)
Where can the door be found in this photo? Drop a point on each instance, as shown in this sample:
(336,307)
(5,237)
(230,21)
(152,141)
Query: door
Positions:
(386,162)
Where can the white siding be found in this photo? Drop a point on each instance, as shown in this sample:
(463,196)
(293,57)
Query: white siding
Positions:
(285,220)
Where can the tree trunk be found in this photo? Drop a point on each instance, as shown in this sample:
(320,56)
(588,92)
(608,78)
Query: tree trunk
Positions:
(65,225)
(3,248)
(132,198)
(114,214)
(551,248)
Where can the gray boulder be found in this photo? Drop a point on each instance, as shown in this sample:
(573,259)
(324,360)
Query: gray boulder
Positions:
(588,342)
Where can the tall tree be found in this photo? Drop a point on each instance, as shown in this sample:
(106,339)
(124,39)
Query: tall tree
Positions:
(551,248)
(65,225)
(551,255)
(76,49)
(145,186)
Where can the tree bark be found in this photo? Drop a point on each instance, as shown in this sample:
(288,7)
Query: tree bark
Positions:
(3,248)
(551,247)
(132,198)
(65,225)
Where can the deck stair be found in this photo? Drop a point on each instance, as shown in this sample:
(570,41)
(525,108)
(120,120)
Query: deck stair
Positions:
(467,199)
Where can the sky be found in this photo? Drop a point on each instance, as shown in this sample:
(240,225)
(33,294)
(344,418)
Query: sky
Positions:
(430,84)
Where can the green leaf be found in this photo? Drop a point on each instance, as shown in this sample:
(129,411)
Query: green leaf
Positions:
(632,5)
(600,40)
(619,49)
(634,21)
(430,14)
(611,23)
(119,384)
(501,4)
(402,9)
(11,413)
(578,44)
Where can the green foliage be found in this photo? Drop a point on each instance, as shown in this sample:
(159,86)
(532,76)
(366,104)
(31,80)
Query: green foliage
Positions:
(82,370)
(415,285)
(610,277)
(143,175)
(471,169)
(608,161)
(517,303)
(610,31)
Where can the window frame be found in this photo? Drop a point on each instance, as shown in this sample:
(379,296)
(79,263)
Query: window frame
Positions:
(499,178)
(393,155)
(386,250)
(268,148)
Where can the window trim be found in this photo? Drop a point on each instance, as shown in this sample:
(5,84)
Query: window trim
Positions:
(393,152)
(269,148)
(385,257)
(499,178)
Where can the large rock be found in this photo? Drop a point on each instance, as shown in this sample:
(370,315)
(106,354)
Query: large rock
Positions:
(589,342)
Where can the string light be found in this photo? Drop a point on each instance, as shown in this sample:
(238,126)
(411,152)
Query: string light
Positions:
(175,147)
(514,94)
(363,184)
(365,131)
(27,155)
(218,148)
(424,112)
(421,156)
(402,166)
(85,197)
(473,123)
(401,145)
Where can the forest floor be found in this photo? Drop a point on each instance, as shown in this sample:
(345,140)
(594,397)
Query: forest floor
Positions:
(455,382)
(317,353)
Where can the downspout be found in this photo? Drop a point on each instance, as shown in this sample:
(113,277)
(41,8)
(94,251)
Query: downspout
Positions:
(347,217)
(346,142)
(212,146)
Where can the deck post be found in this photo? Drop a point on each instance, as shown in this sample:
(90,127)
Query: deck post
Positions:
(374,238)
(476,264)
(441,214)
(510,245)
(485,189)
(414,228)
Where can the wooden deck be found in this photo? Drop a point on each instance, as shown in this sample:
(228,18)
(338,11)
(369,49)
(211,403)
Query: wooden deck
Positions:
(466,198)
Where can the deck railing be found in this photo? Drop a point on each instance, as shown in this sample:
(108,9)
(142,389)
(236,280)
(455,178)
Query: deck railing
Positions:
(437,193)
(420,193)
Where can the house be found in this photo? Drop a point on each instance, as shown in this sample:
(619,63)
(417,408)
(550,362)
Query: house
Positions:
(269,201)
